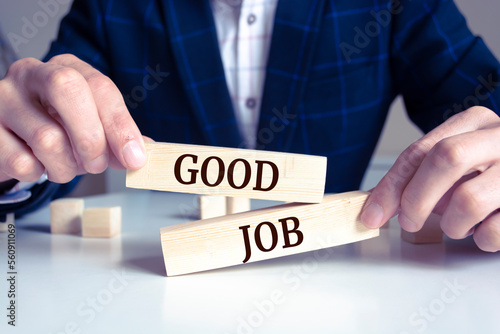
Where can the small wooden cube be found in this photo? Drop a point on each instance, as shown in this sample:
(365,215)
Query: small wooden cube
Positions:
(9,219)
(237,205)
(66,215)
(212,206)
(102,222)
(430,233)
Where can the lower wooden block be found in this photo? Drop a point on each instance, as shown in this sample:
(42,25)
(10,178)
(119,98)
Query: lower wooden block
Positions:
(4,225)
(430,233)
(237,205)
(263,234)
(212,206)
(102,222)
(66,215)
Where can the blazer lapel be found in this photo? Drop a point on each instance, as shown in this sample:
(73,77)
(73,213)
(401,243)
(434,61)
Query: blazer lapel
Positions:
(193,39)
(295,33)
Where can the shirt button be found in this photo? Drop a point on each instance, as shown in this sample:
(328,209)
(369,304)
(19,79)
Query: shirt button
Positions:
(251,19)
(250,103)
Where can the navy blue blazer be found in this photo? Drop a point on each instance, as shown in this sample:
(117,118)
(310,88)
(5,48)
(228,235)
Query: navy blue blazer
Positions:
(334,68)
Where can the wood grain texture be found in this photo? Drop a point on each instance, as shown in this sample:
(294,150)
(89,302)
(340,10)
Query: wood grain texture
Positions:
(219,242)
(300,178)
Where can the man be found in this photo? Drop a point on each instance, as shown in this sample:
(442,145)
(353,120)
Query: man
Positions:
(299,76)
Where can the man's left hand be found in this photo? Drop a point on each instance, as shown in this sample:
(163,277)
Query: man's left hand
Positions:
(453,171)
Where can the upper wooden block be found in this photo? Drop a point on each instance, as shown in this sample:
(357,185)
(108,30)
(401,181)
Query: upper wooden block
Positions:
(263,234)
(231,172)
(66,215)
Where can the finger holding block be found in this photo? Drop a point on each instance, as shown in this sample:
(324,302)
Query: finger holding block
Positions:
(263,234)
(102,222)
(66,215)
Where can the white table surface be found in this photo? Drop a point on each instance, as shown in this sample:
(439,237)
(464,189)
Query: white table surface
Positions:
(68,284)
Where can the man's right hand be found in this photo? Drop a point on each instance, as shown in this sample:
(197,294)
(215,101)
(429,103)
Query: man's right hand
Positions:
(64,118)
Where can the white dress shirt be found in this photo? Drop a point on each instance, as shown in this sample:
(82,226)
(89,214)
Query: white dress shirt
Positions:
(244,29)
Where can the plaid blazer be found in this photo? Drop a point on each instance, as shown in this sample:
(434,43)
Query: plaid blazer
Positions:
(334,68)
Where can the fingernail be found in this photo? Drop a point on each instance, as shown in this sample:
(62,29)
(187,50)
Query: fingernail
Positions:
(470,232)
(98,165)
(133,154)
(407,224)
(372,215)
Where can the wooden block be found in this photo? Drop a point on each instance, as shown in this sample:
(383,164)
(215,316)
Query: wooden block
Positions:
(237,205)
(102,222)
(231,172)
(430,233)
(66,215)
(212,206)
(263,234)
(9,219)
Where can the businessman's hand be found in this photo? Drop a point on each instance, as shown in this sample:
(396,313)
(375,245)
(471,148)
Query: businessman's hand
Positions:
(453,171)
(66,118)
